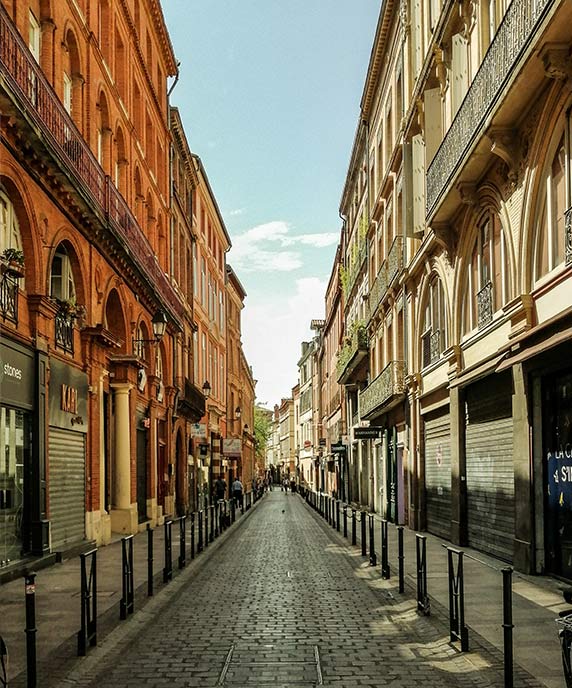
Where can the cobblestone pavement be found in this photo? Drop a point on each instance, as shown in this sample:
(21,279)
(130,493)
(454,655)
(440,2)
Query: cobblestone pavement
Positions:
(285,603)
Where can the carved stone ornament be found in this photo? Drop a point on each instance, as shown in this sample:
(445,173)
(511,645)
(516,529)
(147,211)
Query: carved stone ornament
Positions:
(468,12)
(468,193)
(441,71)
(556,60)
(446,237)
(403,15)
(504,145)
(420,109)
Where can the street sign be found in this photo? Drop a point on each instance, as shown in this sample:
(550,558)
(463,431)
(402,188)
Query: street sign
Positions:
(338,448)
(367,433)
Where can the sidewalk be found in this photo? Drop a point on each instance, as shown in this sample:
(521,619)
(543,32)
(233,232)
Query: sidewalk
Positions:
(535,604)
(58,598)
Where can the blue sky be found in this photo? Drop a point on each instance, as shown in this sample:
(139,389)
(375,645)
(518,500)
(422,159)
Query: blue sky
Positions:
(269,94)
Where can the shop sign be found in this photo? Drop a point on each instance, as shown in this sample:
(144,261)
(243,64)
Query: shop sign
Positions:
(68,397)
(16,375)
(203,449)
(372,432)
(560,479)
(338,448)
(198,430)
(232,447)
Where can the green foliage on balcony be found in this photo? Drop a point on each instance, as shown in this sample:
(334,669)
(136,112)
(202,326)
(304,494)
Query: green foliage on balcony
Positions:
(355,341)
(356,256)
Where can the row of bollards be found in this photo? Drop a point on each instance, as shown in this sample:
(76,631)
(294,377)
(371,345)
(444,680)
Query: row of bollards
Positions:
(205,526)
(329,508)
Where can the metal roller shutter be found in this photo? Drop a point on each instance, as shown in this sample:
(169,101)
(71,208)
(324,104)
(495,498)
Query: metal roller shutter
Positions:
(67,487)
(438,474)
(490,470)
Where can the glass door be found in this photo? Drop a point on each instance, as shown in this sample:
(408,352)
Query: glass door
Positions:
(14,448)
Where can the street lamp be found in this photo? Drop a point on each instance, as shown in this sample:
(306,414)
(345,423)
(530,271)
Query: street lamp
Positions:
(206,389)
(159,324)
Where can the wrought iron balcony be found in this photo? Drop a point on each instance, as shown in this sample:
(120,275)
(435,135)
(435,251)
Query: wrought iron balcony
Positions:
(513,37)
(387,388)
(24,82)
(9,298)
(191,403)
(377,292)
(391,267)
(352,353)
(485,305)
(64,332)
(568,235)
(394,260)
(431,347)
(354,269)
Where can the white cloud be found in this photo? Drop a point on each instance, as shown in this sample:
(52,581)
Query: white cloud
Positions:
(237,212)
(274,326)
(264,247)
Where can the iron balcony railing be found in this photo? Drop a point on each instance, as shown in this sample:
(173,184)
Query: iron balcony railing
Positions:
(485,305)
(513,37)
(358,344)
(568,235)
(23,78)
(9,298)
(431,347)
(64,332)
(389,384)
(390,269)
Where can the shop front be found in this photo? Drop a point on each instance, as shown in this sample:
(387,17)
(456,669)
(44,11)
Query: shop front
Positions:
(17,474)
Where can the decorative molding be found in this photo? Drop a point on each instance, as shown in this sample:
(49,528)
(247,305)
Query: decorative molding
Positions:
(446,237)
(468,13)
(505,146)
(556,60)
(468,194)
(441,70)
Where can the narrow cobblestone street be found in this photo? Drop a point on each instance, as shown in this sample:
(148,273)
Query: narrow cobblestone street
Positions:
(284,603)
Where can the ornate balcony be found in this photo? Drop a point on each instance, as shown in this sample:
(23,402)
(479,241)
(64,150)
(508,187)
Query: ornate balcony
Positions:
(384,391)
(391,267)
(394,260)
(513,37)
(9,298)
(191,402)
(377,292)
(485,305)
(352,353)
(354,268)
(430,347)
(64,332)
(30,94)
(568,235)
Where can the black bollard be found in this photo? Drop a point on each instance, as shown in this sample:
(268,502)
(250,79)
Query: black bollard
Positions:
(401,559)
(206,541)
(31,670)
(423,602)
(168,567)
(182,542)
(457,627)
(212,517)
(507,626)
(372,555)
(354,534)
(193,535)
(385,569)
(149,560)
(338,515)
(345,520)
(200,532)
(126,604)
(363,534)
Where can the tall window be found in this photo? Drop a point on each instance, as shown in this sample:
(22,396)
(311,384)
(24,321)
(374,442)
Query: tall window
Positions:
(195,271)
(434,337)
(34,36)
(488,286)
(9,229)
(551,235)
(62,285)
(68,89)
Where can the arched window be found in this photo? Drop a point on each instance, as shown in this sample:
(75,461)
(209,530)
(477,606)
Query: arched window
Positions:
(103,132)
(140,343)
(488,274)
(434,339)
(72,78)
(119,161)
(62,285)
(550,243)
(9,228)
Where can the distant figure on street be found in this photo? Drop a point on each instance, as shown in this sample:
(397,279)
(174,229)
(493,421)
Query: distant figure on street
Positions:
(237,492)
(220,488)
(293,485)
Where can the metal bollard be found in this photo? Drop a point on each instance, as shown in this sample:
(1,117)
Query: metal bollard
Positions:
(385,569)
(168,567)
(507,626)
(363,534)
(149,561)
(206,541)
(126,604)
(212,518)
(200,529)
(232,511)
(423,602)
(31,669)
(182,542)
(338,515)
(193,535)
(88,630)
(457,628)
(401,559)
(354,534)
(372,555)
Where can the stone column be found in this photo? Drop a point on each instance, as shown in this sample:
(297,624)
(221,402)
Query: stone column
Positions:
(123,513)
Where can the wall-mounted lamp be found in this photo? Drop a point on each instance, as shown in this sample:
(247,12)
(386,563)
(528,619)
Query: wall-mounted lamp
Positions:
(206,389)
(237,414)
(159,323)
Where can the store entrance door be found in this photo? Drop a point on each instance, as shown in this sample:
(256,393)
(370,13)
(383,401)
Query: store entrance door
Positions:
(557,460)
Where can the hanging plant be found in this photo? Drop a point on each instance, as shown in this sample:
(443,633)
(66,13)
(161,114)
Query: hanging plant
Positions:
(13,262)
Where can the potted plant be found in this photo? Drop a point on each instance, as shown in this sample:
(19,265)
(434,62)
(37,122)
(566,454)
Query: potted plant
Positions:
(69,309)
(13,262)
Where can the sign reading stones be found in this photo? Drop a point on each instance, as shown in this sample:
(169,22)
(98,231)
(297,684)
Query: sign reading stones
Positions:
(368,433)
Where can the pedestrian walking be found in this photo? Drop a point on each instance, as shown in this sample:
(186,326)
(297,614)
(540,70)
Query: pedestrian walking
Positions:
(237,492)
(220,488)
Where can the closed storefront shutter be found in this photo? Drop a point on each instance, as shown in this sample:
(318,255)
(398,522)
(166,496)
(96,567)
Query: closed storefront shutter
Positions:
(438,474)
(490,471)
(67,487)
